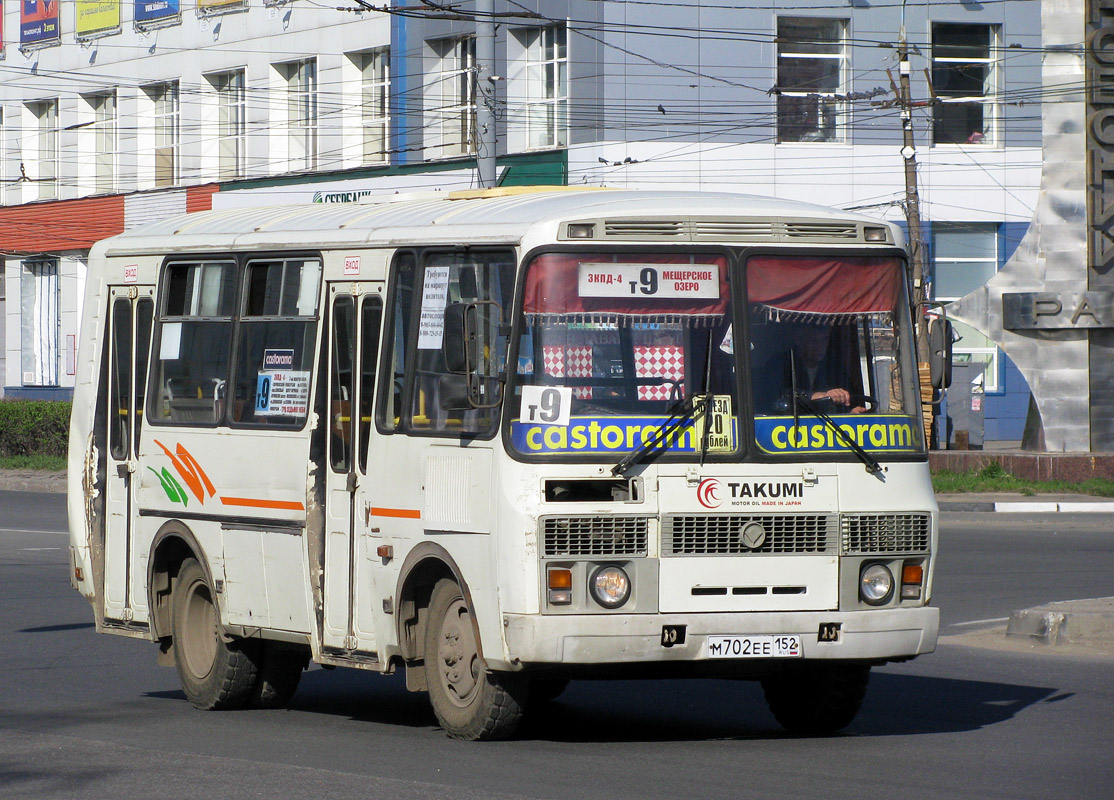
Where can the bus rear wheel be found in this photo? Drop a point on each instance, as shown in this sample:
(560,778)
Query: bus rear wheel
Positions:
(469,702)
(280,672)
(817,699)
(214,674)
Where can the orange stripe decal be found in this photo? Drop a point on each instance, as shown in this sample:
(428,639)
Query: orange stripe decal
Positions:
(250,502)
(403,513)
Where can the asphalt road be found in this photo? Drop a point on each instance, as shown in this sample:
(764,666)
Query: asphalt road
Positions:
(88,716)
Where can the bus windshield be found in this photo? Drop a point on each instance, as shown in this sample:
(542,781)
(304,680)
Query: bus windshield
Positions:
(613,344)
(831,355)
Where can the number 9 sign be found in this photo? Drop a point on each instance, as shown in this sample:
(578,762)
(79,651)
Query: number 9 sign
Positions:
(546,405)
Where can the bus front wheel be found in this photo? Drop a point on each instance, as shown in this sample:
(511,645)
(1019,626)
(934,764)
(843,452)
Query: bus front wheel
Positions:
(215,674)
(817,699)
(470,702)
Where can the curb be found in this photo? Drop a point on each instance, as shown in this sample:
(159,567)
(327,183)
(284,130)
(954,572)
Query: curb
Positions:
(1032,507)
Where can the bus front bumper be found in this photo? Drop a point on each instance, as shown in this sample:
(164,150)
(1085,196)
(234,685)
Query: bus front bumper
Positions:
(638,638)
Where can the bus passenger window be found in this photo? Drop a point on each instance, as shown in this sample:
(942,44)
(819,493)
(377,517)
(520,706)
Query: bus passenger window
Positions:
(194,335)
(372,312)
(275,347)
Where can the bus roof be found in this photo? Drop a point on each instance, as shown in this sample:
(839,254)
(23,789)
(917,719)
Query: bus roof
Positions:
(502,215)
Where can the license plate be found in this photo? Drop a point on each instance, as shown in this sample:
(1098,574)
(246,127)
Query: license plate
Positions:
(781,646)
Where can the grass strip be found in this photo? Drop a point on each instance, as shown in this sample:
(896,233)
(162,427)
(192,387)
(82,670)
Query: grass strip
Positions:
(993,478)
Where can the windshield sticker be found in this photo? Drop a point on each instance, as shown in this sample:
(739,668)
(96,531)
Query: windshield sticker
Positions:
(282,393)
(548,405)
(721,425)
(875,433)
(435,293)
(666,281)
(616,435)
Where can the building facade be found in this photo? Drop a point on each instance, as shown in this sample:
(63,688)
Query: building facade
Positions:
(108,120)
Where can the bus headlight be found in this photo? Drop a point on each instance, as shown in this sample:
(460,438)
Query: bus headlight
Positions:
(876,584)
(610,586)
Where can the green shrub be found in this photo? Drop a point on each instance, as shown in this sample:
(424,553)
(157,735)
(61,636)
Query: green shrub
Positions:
(34,427)
(993,470)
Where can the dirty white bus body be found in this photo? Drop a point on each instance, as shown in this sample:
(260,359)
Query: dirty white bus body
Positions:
(505,439)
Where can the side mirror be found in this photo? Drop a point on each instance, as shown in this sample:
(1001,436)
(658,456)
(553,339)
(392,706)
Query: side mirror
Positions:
(940,352)
(470,346)
(455,339)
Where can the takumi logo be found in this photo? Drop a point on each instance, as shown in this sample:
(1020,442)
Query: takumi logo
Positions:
(708,493)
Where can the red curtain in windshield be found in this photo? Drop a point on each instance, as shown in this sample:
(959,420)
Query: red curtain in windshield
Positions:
(824,285)
(552,287)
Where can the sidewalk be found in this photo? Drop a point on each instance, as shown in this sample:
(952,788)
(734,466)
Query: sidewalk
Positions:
(31,480)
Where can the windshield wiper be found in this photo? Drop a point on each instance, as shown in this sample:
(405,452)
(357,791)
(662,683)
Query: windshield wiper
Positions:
(869,461)
(688,411)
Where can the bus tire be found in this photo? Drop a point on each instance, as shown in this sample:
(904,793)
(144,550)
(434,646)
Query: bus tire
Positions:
(280,671)
(469,702)
(214,674)
(817,699)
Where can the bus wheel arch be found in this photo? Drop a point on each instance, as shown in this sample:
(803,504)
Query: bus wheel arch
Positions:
(173,543)
(424,566)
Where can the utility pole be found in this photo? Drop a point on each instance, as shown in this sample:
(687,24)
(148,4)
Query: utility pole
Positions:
(912,198)
(485,93)
(913,217)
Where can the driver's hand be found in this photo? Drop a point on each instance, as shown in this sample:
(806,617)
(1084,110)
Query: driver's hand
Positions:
(840,397)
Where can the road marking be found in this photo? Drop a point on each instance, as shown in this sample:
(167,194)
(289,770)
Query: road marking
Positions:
(979,622)
(36,549)
(25,530)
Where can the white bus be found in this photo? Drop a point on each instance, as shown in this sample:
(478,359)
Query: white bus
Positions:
(504,440)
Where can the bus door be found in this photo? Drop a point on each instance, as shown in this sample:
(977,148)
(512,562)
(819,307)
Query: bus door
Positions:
(355,314)
(131,309)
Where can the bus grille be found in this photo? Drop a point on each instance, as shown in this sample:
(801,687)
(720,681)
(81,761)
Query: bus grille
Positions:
(723,535)
(885,533)
(595,536)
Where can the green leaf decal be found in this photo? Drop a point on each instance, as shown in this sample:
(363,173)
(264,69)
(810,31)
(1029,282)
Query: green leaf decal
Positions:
(174,491)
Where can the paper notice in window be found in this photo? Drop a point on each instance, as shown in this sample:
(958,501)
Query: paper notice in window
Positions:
(435,292)
(282,393)
(171,342)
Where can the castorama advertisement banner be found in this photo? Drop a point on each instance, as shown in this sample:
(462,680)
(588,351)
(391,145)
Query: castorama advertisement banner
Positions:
(38,22)
(148,12)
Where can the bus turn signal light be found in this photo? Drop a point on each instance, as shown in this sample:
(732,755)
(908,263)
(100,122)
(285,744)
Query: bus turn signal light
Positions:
(560,586)
(912,575)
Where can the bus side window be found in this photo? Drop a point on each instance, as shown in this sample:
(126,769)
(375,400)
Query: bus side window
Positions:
(372,313)
(393,381)
(275,343)
(194,334)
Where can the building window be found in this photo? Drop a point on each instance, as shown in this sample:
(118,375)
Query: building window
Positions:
(103,132)
(811,74)
(452,97)
(165,121)
(375,81)
(231,123)
(45,115)
(39,321)
(964,78)
(301,113)
(965,256)
(546,86)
